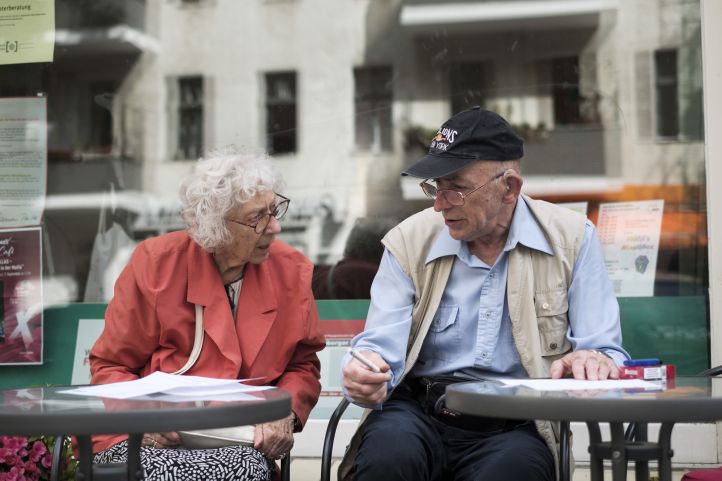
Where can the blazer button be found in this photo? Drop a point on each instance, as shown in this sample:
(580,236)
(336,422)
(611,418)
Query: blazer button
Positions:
(553,345)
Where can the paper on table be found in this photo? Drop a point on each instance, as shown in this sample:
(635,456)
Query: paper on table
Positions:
(160,382)
(238,396)
(577,384)
(195,391)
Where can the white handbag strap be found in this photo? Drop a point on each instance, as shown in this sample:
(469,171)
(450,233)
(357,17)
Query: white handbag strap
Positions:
(197,342)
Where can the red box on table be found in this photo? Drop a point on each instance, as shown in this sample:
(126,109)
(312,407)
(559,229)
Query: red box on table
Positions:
(648,373)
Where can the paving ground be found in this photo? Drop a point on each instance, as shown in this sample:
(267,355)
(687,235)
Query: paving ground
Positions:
(309,469)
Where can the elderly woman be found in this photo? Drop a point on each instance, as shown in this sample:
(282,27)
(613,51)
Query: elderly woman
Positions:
(260,319)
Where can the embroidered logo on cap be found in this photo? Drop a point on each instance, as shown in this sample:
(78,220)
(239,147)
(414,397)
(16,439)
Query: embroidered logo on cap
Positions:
(444,137)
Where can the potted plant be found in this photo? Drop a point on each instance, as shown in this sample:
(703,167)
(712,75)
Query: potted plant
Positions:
(30,458)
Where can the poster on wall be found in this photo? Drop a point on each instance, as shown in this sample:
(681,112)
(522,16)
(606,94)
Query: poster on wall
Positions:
(27,31)
(89,331)
(21,303)
(23,154)
(629,232)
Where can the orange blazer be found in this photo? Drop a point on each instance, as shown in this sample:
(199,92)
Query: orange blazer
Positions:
(150,322)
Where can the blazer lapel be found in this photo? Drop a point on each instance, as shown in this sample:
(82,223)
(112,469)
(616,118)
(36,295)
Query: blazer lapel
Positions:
(206,288)
(257,307)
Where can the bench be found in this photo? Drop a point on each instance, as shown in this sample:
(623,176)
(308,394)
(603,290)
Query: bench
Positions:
(673,328)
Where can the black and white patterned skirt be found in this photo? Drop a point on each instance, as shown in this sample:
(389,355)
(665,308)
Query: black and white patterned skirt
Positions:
(231,463)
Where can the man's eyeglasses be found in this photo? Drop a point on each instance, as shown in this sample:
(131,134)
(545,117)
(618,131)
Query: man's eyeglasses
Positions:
(262,221)
(451,196)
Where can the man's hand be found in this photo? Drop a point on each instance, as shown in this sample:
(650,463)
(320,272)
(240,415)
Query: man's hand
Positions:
(362,384)
(585,364)
(274,439)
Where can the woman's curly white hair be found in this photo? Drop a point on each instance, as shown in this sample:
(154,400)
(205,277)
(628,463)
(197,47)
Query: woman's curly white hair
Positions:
(220,182)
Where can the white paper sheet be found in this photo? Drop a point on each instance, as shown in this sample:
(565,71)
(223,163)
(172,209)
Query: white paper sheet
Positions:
(577,384)
(238,396)
(160,382)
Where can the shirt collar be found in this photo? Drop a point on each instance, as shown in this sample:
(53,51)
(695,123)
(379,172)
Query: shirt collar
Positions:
(524,230)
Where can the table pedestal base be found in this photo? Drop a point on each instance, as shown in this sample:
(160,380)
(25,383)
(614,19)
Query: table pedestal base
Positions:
(621,451)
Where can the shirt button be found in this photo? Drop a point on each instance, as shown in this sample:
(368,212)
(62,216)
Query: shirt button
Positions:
(491,276)
(545,305)
(553,345)
(487,315)
(483,354)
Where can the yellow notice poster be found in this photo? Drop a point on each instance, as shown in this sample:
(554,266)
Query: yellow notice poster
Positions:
(27,31)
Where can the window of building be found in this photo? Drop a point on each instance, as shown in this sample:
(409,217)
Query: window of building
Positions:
(658,97)
(565,90)
(101,120)
(187,126)
(666,90)
(372,103)
(281,112)
(468,82)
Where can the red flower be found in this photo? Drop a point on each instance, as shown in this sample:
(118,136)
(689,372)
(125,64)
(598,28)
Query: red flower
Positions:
(29,459)
(37,451)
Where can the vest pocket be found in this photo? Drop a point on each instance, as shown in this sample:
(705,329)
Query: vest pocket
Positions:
(551,313)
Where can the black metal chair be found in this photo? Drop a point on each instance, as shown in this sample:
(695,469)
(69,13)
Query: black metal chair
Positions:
(327,454)
(636,435)
(630,433)
(286,468)
(57,457)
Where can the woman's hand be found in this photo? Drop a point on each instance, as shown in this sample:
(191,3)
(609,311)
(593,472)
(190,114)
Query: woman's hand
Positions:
(275,439)
(161,440)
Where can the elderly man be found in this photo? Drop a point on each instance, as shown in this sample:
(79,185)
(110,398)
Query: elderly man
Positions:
(499,284)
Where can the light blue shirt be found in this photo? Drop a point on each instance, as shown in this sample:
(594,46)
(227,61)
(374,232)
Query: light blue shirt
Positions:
(471,330)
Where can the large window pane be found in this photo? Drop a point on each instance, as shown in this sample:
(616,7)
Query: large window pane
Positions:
(608,96)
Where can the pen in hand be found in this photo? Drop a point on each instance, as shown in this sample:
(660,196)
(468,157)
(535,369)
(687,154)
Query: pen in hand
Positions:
(366,362)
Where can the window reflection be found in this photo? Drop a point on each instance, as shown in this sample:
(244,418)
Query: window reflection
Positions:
(606,94)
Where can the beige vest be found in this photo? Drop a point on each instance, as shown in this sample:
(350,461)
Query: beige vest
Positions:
(537,286)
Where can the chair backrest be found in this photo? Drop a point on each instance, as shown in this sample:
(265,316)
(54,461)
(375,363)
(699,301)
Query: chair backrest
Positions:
(327,454)
(672,328)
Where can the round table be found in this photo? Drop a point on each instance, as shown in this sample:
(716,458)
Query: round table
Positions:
(684,399)
(37,411)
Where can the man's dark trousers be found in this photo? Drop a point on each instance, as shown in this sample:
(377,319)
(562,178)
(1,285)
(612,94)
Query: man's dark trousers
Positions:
(402,442)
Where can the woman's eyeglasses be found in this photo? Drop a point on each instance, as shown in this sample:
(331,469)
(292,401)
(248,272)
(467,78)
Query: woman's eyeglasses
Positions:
(261,224)
(451,196)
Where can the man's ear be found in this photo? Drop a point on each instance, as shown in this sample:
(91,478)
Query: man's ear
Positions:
(512,185)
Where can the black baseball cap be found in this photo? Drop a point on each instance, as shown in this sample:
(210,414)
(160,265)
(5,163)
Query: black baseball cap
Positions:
(473,134)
